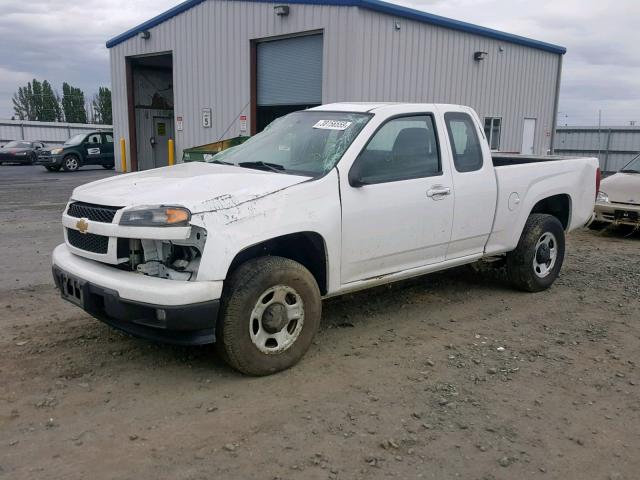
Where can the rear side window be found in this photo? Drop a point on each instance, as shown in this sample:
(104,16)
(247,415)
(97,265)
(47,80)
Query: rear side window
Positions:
(402,149)
(467,153)
(108,137)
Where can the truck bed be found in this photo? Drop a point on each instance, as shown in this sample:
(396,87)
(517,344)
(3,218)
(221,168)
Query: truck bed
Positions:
(506,159)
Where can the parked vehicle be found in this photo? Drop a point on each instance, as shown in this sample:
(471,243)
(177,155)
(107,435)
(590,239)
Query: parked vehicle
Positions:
(20,151)
(325,201)
(95,148)
(618,201)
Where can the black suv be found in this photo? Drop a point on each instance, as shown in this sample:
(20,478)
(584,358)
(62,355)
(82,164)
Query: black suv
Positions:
(94,148)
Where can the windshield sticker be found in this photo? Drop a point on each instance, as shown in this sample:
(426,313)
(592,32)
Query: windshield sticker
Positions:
(332,125)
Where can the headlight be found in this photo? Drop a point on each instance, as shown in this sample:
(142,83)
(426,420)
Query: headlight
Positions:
(156,217)
(56,151)
(21,154)
(602,197)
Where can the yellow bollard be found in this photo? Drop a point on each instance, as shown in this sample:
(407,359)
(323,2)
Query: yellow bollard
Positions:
(172,154)
(123,155)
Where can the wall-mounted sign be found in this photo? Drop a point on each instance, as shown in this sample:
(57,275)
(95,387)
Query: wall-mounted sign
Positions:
(243,123)
(206,117)
(179,123)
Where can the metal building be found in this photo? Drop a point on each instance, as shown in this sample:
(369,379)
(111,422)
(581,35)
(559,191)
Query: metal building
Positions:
(208,70)
(614,146)
(51,133)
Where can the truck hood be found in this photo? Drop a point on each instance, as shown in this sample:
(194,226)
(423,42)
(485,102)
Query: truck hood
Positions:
(622,188)
(200,187)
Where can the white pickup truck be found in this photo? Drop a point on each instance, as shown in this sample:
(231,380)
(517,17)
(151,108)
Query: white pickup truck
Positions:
(241,250)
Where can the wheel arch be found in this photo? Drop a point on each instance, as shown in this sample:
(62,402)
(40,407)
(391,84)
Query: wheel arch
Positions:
(307,248)
(558,206)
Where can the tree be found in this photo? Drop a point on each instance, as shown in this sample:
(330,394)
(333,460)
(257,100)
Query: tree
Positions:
(51,110)
(102,106)
(73,104)
(37,101)
(23,103)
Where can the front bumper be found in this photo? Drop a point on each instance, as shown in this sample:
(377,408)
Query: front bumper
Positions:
(617,213)
(177,312)
(49,160)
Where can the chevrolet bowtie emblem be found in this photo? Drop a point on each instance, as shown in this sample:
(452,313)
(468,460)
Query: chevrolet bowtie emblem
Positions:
(82,225)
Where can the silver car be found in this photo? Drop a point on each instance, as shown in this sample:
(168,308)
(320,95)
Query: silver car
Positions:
(618,201)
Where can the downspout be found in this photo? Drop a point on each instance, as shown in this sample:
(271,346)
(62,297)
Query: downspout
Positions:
(556,105)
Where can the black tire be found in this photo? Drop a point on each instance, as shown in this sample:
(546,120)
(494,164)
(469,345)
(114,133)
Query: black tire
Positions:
(32,159)
(108,167)
(52,168)
(243,294)
(526,259)
(71,163)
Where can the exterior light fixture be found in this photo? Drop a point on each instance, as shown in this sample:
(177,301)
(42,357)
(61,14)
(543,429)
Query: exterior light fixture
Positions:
(281,10)
(145,35)
(480,56)
(396,25)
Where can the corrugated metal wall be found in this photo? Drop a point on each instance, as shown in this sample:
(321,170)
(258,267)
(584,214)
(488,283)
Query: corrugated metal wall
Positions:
(614,146)
(364,59)
(52,133)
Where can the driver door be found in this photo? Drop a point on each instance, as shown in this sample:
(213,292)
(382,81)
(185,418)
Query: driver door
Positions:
(397,203)
(93,148)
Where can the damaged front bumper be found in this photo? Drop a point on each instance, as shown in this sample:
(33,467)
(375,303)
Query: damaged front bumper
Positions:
(171,311)
(617,213)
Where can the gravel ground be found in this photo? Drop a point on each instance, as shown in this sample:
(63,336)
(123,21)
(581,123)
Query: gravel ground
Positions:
(453,375)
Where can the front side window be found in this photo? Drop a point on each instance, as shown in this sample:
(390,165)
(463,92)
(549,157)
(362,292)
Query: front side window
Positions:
(403,148)
(94,138)
(302,143)
(465,146)
(492,130)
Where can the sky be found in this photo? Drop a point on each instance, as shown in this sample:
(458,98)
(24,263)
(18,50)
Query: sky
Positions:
(59,40)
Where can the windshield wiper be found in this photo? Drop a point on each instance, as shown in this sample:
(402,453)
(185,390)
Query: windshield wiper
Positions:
(272,167)
(220,162)
(629,171)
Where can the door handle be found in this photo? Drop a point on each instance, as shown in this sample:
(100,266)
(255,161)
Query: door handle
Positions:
(438,191)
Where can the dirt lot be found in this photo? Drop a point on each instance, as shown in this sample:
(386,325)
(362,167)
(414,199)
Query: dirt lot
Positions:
(452,375)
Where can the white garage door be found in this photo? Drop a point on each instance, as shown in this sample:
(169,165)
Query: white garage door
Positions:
(290,71)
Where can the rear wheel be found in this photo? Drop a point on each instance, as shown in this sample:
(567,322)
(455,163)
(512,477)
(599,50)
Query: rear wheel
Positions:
(108,167)
(52,168)
(270,313)
(71,163)
(536,262)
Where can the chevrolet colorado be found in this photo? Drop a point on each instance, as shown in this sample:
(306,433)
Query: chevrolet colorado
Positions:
(240,250)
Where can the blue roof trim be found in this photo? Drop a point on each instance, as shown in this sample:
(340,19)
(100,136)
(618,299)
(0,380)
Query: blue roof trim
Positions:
(375,5)
(163,17)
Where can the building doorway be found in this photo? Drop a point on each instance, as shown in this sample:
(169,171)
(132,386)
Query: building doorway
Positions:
(286,77)
(528,136)
(150,98)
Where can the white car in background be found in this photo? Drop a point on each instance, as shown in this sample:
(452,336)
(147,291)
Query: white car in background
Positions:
(618,201)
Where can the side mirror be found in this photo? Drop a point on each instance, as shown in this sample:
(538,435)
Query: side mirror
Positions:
(355,175)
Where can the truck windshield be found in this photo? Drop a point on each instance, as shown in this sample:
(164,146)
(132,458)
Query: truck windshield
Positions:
(633,166)
(302,143)
(76,139)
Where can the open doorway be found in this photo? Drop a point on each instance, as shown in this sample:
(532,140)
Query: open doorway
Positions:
(151,121)
(286,76)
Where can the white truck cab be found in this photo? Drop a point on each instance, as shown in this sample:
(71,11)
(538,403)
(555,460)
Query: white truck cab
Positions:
(240,251)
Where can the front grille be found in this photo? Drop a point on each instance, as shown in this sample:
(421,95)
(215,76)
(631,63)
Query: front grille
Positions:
(96,213)
(88,241)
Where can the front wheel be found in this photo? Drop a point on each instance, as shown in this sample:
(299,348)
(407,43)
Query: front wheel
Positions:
(536,262)
(270,313)
(70,163)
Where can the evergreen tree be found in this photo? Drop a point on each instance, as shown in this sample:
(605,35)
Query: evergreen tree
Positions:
(102,106)
(51,111)
(73,104)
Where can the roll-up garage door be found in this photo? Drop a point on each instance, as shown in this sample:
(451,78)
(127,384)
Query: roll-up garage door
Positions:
(289,71)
